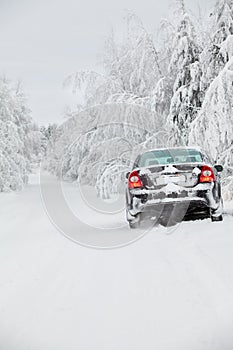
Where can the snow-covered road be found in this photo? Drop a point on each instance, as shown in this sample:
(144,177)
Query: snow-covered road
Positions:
(165,291)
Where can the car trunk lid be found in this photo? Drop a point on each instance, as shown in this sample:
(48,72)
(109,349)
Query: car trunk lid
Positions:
(180,175)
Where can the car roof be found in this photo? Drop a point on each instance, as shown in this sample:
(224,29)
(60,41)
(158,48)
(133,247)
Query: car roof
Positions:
(173,149)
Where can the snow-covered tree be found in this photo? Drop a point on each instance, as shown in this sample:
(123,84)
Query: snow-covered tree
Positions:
(131,69)
(98,128)
(122,103)
(19,138)
(213,129)
(186,69)
(145,92)
(221,26)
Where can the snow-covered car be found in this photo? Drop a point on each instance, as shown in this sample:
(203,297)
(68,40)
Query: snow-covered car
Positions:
(169,185)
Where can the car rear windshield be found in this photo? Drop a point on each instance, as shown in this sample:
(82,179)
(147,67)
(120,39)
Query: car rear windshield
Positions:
(172,156)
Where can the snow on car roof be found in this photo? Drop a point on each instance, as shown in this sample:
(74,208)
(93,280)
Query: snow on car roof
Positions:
(193,148)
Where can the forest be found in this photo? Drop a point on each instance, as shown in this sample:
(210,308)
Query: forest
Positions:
(164,89)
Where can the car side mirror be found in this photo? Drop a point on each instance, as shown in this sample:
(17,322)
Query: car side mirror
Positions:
(127,175)
(219,168)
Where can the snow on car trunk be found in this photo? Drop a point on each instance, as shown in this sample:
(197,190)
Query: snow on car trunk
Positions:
(183,175)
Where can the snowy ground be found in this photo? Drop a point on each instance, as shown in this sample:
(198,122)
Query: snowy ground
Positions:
(166,291)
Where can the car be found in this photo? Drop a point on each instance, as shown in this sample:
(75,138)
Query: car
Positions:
(173,184)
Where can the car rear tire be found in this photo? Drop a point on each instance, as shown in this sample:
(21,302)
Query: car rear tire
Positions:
(167,221)
(217,218)
(136,223)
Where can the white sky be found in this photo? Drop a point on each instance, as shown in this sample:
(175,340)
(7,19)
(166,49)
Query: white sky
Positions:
(42,41)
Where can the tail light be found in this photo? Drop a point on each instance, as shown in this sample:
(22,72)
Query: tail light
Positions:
(135,180)
(207,174)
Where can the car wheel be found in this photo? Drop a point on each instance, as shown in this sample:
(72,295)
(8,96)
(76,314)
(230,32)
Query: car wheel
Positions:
(217,218)
(135,223)
(167,221)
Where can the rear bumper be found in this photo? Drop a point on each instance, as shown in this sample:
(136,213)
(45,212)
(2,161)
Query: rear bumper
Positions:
(178,209)
(199,199)
(166,205)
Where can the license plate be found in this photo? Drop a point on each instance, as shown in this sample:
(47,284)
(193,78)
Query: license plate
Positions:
(166,179)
